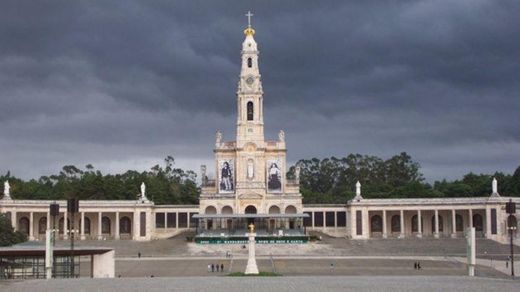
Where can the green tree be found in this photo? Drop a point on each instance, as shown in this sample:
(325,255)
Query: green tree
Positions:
(8,236)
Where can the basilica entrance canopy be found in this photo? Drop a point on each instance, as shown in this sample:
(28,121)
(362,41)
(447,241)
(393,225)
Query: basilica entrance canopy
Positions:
(231,228)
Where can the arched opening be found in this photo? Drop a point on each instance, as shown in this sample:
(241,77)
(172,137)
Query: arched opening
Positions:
(249,62)
(459,223)
(125,225)
(250,209)
(290,210)
(210,210)
(415,225)
(86,226)
(250,111)
(105,225)
(227,210)
(60,225)
(376,224)
(274,209)
(42,225)
(441,224)
(23,224)
(477,222)
(395,223)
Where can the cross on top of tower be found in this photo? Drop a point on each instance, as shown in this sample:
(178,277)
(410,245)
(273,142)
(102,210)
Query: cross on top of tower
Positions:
(249,14)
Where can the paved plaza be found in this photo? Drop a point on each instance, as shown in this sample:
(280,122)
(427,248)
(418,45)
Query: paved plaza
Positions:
(325,283)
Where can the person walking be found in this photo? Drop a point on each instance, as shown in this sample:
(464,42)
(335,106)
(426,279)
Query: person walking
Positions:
(209,268)
(415,265)
(222,267)
(218,267)
(212,268)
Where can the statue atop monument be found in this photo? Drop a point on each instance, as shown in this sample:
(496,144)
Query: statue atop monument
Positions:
(281,136)
(218,138)
(7,190)
(142,196)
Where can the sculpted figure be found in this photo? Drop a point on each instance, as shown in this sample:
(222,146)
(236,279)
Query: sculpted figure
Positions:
(7,189)
(218,138)
(281,136)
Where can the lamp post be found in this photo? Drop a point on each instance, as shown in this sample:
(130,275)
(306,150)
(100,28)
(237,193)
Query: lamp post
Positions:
(511,225)
(54,211)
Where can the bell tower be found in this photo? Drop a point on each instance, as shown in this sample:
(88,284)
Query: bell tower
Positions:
(250,120)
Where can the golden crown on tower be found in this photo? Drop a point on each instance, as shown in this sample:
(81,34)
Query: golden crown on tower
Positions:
(249,31)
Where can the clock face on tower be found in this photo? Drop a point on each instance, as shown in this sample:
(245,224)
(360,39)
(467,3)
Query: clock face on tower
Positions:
(250,80)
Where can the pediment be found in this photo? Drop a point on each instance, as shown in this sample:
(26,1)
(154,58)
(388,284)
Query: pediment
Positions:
(250,196)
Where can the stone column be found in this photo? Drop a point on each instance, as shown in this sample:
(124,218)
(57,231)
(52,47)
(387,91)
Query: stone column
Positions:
(99,230)
(176,220)
(137,231)
(31,226)
(470,214)
(116,235)
(312,219)
(49,220)
(65,225)
(385,234)
(419,225)
(436,234)
(453,224)
(82,234)
(324,221)
(488,222)
(401,217)
(335,221)
(14,221)
(166,220)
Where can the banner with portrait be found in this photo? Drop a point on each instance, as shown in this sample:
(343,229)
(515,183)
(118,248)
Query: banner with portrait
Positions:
(226,176)
(274,176)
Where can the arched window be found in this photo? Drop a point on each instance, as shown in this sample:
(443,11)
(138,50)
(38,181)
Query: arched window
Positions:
(87,225)
(210,210)
(42,225)
(396,223)
(250,111)
(415,226)
(250,210)
(60,225)
(125,226)
(459,223)
(249,62)
(24,225)
(290,210)
(477,222)
(441,224)
(376,224)
(105,225)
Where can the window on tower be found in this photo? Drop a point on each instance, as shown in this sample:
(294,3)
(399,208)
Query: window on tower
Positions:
(249,62)
(250,111)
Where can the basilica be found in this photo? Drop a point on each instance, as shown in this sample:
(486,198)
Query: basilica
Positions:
(250,186)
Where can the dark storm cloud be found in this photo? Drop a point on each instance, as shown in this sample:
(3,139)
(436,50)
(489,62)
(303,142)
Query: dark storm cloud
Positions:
(124,83)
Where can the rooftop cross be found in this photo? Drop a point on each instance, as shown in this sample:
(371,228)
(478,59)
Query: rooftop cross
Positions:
(249,14)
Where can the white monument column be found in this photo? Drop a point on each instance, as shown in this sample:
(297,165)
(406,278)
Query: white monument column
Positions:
(401,227)
(385,235)
(488,222)
(14,221)
(82,234)
(65,225)
(251,267)
(470,214)
(100,235)
(453,224)
(31,226)
(116,236)
(419,225)
(436,234)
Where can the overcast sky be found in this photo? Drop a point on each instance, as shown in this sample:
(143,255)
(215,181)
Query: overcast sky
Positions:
(123,84)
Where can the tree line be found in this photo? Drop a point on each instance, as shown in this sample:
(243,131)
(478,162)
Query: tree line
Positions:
(329,180)
(332,180)
(164,185)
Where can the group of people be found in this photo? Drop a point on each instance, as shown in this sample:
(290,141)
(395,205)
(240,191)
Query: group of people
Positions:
(215,268)
(417,265)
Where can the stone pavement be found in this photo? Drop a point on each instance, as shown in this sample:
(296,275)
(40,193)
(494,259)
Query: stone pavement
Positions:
(231,284)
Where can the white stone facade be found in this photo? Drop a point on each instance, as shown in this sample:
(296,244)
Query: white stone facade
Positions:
(250,171)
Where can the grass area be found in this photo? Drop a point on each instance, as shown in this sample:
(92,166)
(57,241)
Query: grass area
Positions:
(260,274)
